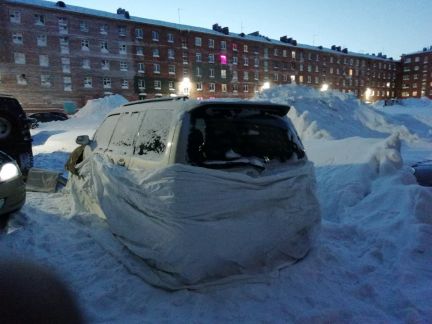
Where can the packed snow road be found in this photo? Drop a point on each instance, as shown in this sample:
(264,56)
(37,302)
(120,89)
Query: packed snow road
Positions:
(371,263)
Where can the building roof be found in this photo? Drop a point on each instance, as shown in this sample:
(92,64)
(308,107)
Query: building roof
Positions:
(424,51)
(255,38)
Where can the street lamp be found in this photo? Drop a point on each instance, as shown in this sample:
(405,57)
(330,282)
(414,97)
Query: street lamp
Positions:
(265,86)
(324,87)
(368,94)
(185,86)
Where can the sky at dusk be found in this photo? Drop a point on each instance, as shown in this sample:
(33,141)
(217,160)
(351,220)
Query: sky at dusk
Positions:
(392,27)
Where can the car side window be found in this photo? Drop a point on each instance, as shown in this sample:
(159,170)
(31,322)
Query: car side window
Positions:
(104,132)
(153,134)
(124,133)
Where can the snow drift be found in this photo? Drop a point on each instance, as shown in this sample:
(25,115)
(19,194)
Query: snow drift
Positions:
(333,115)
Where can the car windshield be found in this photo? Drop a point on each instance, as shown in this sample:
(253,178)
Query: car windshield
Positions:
(223,137)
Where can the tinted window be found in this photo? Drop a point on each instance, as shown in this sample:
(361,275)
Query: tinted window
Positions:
(125,132)
(153,134)
(104,132)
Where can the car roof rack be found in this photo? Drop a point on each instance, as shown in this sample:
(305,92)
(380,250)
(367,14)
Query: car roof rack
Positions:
(184,98)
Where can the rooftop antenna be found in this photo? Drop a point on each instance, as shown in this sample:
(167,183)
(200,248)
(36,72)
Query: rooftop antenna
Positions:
(178,12)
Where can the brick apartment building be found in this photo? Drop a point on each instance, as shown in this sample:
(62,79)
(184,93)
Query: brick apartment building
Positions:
(417,74)
(53,53)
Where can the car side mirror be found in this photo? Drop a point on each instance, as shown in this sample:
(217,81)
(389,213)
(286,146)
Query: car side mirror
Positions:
(82,140)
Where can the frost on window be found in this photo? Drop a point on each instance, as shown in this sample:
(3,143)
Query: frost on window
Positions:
(124,133)
(153,135)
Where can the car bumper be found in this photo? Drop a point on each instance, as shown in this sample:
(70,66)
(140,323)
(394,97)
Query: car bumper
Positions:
(12,195)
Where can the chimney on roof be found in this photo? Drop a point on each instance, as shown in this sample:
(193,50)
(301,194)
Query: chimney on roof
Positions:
(338,48)
(60,4)
(294,42)
(284,39)
(256,33)
(333,47)
(242,35)
(225,30)
(216,27)
(320,47)
(345,50)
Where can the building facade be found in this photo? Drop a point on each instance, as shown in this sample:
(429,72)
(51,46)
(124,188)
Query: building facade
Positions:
(52,53)
(417,74)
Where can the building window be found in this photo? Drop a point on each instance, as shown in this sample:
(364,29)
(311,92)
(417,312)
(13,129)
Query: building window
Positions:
(39,19)
(17,38)
(198,41)
(84,27)
(198,57)
(245,88)
(123,66)
(85,45)
(15,17)
(234,47)
(256,62)
(245,61)
(245,75)
(157,84)
(122,31)
(106,83)
(185,72)
(223,45)
(256,75)
(139,51)
(171,69)
(41,40)
(21,79)
(155,36)
(211,43)
(234,75)
(198,71)
(199,86)
(141,84)
(104,46)
(235,60)
(103,29)
(223,74)
(141,68)
(211,73)
(171,85)
(171,54)
(235,87)
(64,45)
(105,65)
(125,84)
(65,64)
(156,68)
(88,82)
(155,52)
(211,58)
(224,87)
(43,60)
(170,38)
(123,49)
(20,58)
(45,81)
(85,64)
(275,52)
(67,83)
(184,43)
(223,59)
(275,77)
(63,25)
(139,34)
(212,87)
(185,58)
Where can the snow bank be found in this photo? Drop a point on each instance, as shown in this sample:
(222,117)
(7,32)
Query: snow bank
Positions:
(332,114)
(61,135)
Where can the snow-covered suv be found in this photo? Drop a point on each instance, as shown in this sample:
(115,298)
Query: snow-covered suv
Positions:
(201,190)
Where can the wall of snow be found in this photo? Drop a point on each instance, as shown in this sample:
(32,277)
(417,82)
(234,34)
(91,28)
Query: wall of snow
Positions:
(333,115)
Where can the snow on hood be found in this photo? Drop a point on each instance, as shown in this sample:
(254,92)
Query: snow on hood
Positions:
(332,114)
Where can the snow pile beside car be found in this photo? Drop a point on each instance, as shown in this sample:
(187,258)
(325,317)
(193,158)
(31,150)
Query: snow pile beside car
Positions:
(61,135)
(333,115)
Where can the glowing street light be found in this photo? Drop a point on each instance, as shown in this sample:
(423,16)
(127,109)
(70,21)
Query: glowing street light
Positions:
(368,94)
(265,86)
(324,87)
(185,86)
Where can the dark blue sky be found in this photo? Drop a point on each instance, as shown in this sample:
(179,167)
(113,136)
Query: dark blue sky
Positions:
(367,26)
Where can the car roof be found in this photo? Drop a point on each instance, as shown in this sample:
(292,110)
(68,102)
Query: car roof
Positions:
(183,104)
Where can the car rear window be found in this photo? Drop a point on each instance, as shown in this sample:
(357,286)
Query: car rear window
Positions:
(225,135)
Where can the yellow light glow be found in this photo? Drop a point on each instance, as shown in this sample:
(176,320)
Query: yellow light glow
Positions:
(324,87)
(185,86)
(265,86)
(368,94)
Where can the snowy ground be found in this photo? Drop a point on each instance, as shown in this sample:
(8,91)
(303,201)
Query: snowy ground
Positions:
(372,262)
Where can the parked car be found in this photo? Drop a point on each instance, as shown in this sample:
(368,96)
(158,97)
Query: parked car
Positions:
(15,138)
(44,117)
(423,173)
(200,190)
(12,187)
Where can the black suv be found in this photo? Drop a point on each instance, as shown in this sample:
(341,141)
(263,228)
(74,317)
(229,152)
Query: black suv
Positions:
(15,138)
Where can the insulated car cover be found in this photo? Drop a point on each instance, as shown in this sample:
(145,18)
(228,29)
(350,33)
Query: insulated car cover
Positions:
(193,226)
